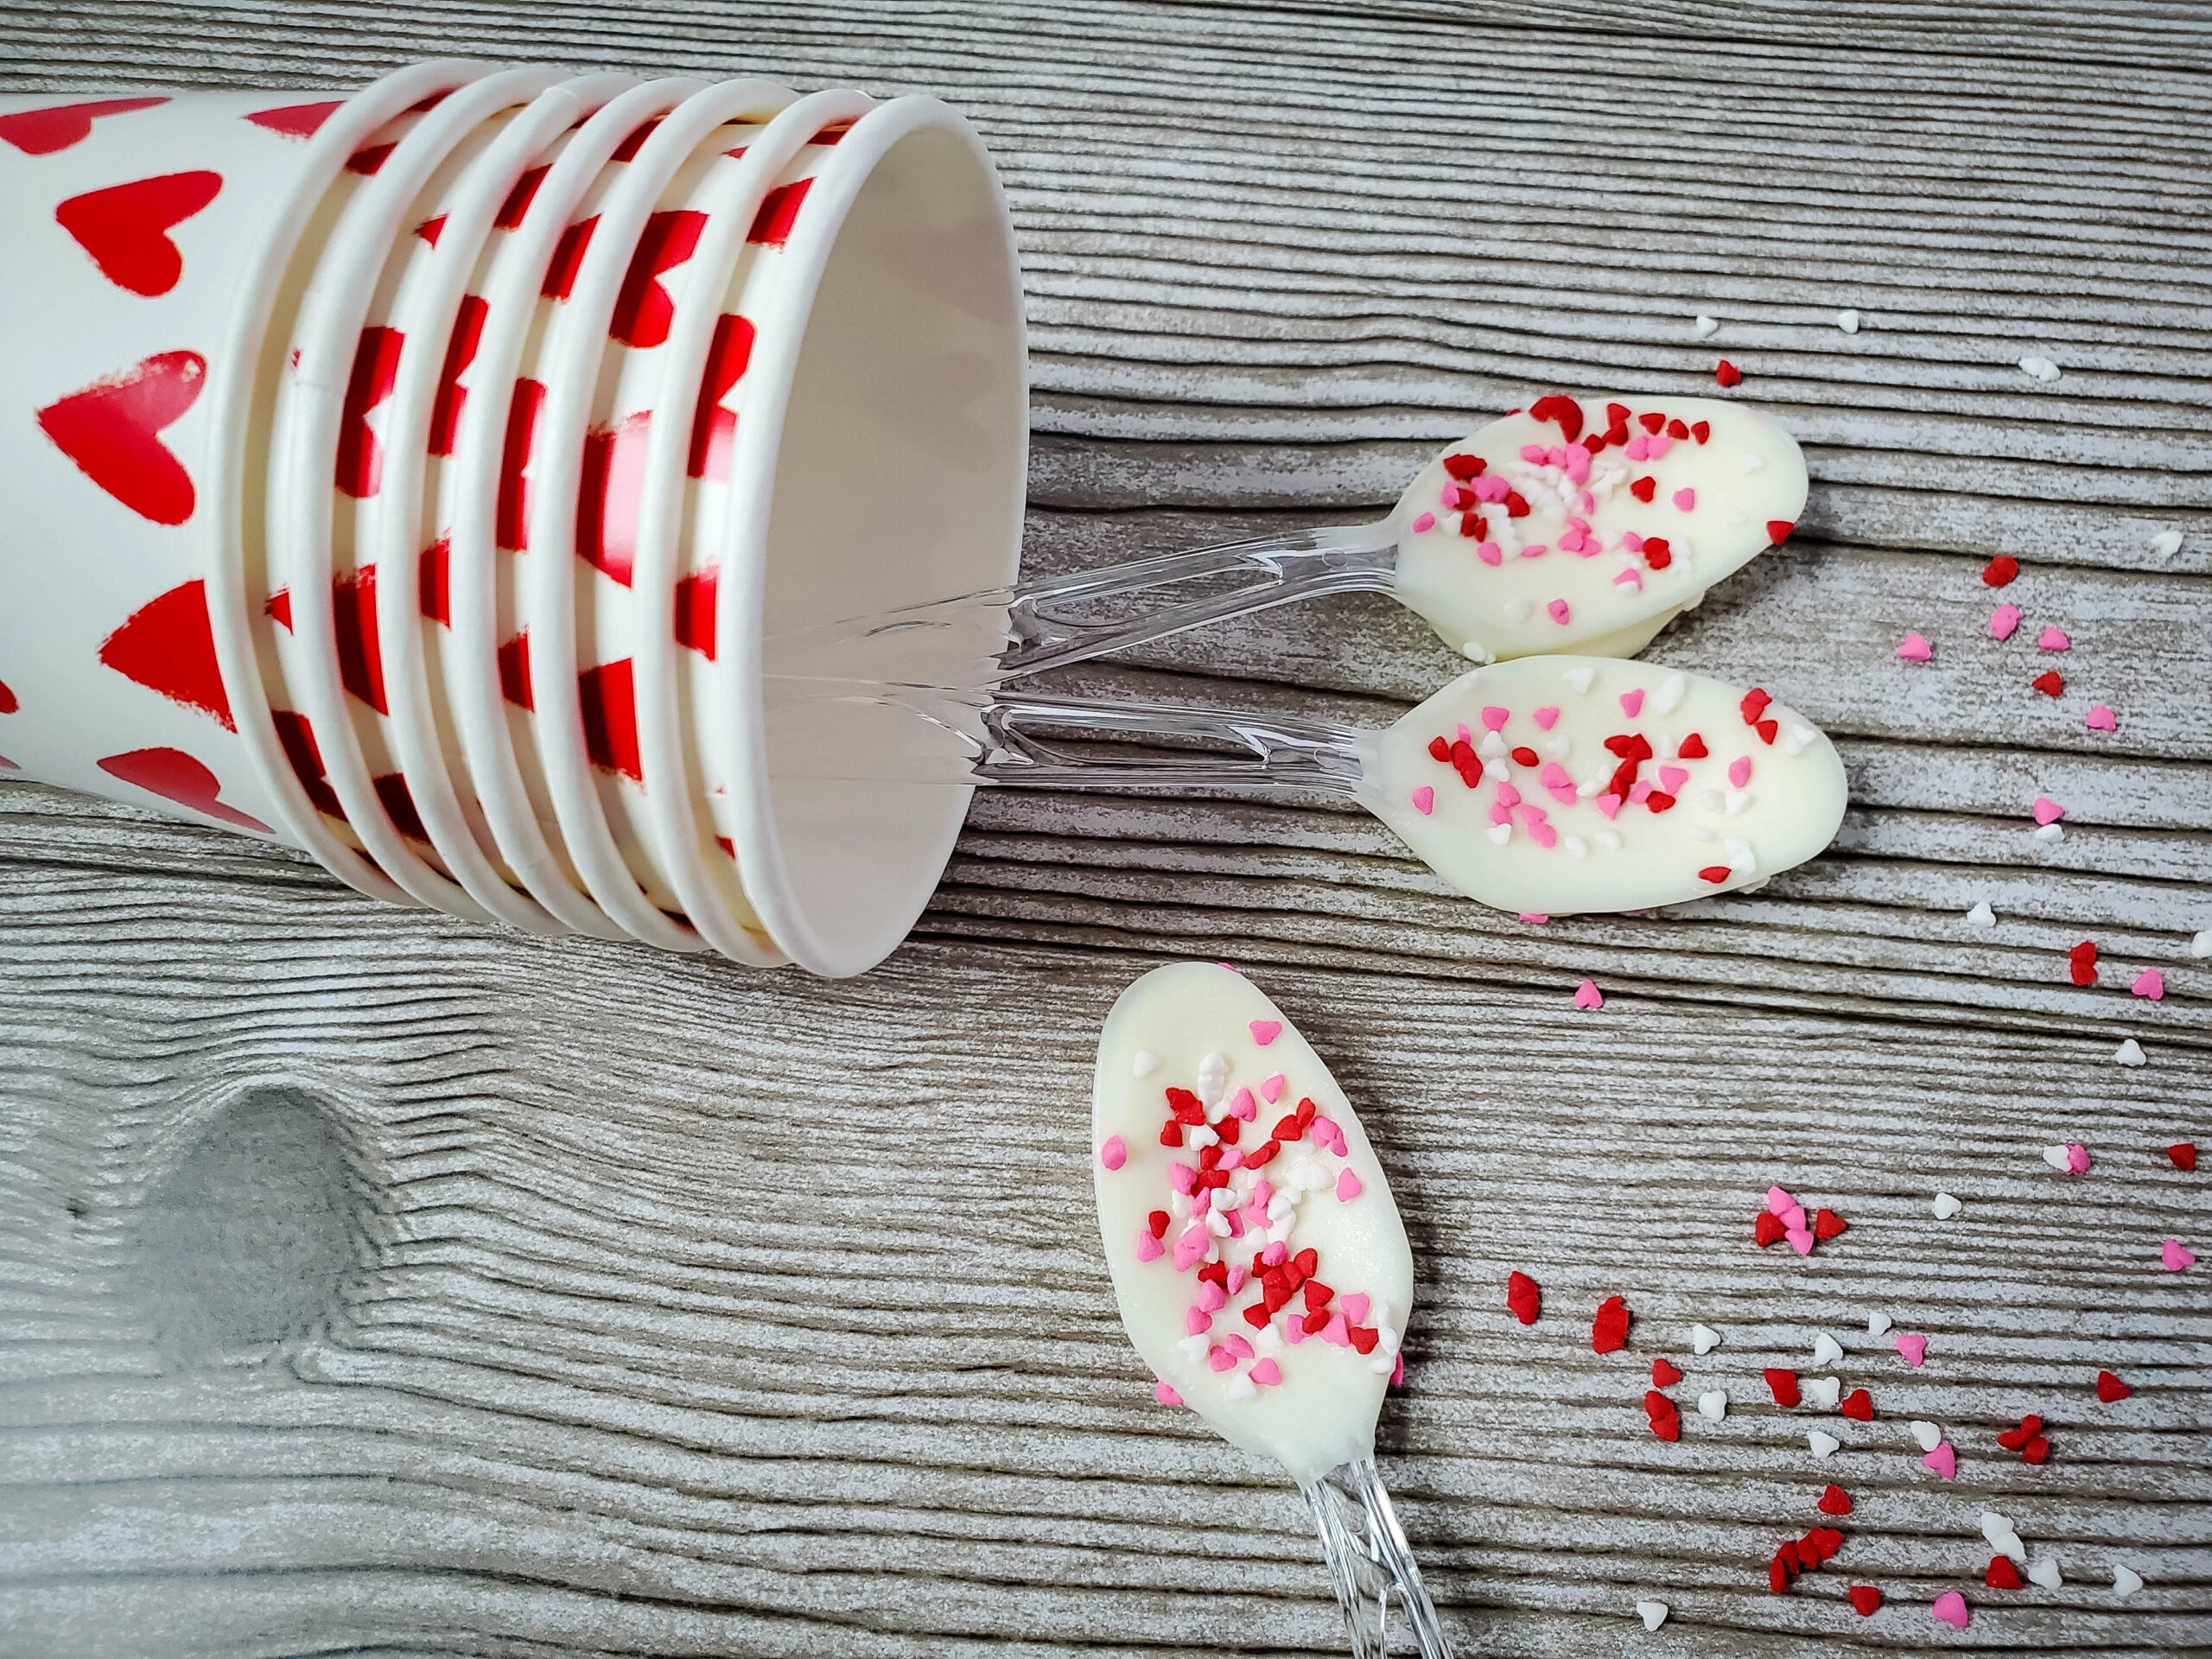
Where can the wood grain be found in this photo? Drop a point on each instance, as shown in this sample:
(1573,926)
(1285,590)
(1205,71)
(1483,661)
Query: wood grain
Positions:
(376,1283)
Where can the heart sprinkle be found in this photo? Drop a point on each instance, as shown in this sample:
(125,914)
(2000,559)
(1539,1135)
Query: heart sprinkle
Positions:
(1666,1422)
(2047,811)
(1114,1153)
(1834,1501)
(2126,1581)
(1944,1460)
(1587,995)
(1927,1435)
(2002,1574)
(2002,1535)
(2046,1573)
(1865,1600)
(1728,373)
(2100,718)
(2003,620)
(2150,983)
(1782,1385)
(2183,1154)
(1915,648)
(1609,1330)
(2110,1388)
(1951,1608)
(2174,1256)
(1946,1206)
(1767,1229)
(1703,1340)
(1857,1405)
(2053,639)
(1524,1296)
(1266,1031)
(1713,1404)
(2051,683)
(1664,1375)
(2129,1053)
(1827,1223)
(1165,1393)
(1823,1446)
(1827,1351)
(2001,570)
(1912,1348)
(1653,1614)
(1877,1324)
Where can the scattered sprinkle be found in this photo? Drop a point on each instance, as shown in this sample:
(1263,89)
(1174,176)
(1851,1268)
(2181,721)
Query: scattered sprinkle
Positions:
(2126,1581)
(1609,1330)
(2053,638)
(2082,962)
(1827,1351)
(1865,1600)
(2201,944)
(1665,1373)
(2129,1053)
(1951,1608)
(2001,570)
(2182,1154)
(2046,1573)
(2003,620)
(1524,1296)
(2150,983)
(1824,1446)
(1713,1404)
(1981,915)
(2100,719)
(1912,1346)
(1660,1411)
(1834,1500)
(1782,1385)
(1534,918)
(2175,1256)
(2167,542)
(1946,1206)
(2002,1535)
(1426,521)
(2050,832)
(1927,1435)
(1114,1153)
(2001,1574)
(1877,1324)
(1704,1340)
(2050,683)
(1706,326)
(1266,1031)
(2027,1439)
(1144,1063)
(1349,1186)
(1728,373)
(1653,1614)
(1587,995)
(1944,1460)
(2042,369)
(1915,648)
(2047,811)
(1425,800)
(1165,1393)
(1847,321)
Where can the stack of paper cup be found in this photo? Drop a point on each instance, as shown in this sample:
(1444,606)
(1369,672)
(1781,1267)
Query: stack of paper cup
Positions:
(423,479)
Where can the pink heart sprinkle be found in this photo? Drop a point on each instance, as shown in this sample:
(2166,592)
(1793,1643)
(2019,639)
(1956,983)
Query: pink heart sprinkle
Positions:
(1355,1307)
(1398,1370)
(1489,553)
(1685,499)
(2053,639)
(1558,611)
(1425,800)
(1500,812)
(1630,579)
(1640,792)
(1426,521)
(1944,1460)
(1275,1255)
(2048,811)
(1165,1393)
(2003,620)
(1951,1608)
(1213,1298)
(1610,805)
(1508,796)
(1671,778)
(1221,1359)
(1148,1247)
(1267,1374)
(1794,1216)
(1658,444)
(1914,649)
(1266,1031)
(1543,834)
(1534,918)
(1799,1240)
(1533,454)
(2174,1256)
(1493,717)
(1535,549)
(1238,1347)
(1271,1090)
(1196,1320)
(1779,1202)
(1238,1275)
(2077,1158)
(1546,717)
(1114,1153)
(1293,1332)
(1191,1247)
(1632,703)
(1240,1104)
(1348,1187)
(1587,995)
(1913,1346)
(1638,447)
(2150,983)
(1183,1179)
(1739,771)
(1631,540)
(1337,1330)
(2101,719)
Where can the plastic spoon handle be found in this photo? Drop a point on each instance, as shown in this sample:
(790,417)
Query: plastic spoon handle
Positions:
(1037,633)
(1368,1560)
(1389,1538)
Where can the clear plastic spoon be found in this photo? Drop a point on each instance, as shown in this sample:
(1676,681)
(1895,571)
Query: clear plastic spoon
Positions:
(1259,1262)
(1549,785)
(1571,526)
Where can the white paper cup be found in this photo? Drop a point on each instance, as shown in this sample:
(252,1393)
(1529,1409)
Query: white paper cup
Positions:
(137,230)
(484,491)
(584,711)
(746,205)
(889,366)
(420,300)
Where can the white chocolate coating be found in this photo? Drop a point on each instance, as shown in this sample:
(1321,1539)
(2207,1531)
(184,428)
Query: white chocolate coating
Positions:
(1493,596)
(1189,1028)
(1558,837)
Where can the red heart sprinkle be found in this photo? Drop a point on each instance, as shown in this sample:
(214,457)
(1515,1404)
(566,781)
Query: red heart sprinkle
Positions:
(1768,1229)
(2183,1154)
(1364,1338)
(1825,1541)
(2081,966)
(2036,1450)
(1664,1375)
(2001,570)
(1728,374)
(2050,683)
(1827,1223)
(1474,527)
(1261,1156)
(1678,429)
(1564,409)
(1701,430)
(1315,1323)
(2013,1439)
(1656,553)
(1767,729)
(1859,1405)
(1439,749)
(1717,874)
(1754,705)
(2110,1388)
(1515,506)
(2002,1574)
(1305,1261)
(1464,467)
(1865,1600)
(1644,488)
(1666,1422)
(1617,414)
(1658,801)
(125,227)
(1171,1133)
(1790,1556)
(1609,1331)
(1317,1295)
(1690,748)
(1523,1296)
(1834,1501)
(1777,531)
(1158,1222)
(1777,1575)
(1526,757)
(1256,1315)
(1783,1386)
(1652,421)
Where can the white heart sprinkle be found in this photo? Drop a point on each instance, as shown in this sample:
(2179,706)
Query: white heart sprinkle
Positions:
(1240,1387)
(1608,839)
(1877,1324)
(2129,1053)
(2167,542)
(1946,1207)
(1927,1435)
(1739,856)
(1501,833)
(1800,740)
(1821,1392)
(1703,1339)
(2051,832)
(1704,326)
(1981,915)
(1475,652)
(1751,463)
(1145,1061)
(1559,746)
(1738,799)
(1822,1444)
(1576,847)
(2057,1158)
(1518,610)
(1665,700)
(1827,1351)
(2039,368)
(1492,747)
(1847,321)
(2046,1574)
(2002,1537)
(2126,1581)
(2201,945)
(1711,800)
(1579,679)
(1714,1403)
(1653,1614)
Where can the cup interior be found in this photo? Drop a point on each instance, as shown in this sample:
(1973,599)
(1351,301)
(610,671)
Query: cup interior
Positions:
(899,479)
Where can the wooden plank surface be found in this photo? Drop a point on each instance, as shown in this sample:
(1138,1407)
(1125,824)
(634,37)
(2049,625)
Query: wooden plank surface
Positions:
(375,1283)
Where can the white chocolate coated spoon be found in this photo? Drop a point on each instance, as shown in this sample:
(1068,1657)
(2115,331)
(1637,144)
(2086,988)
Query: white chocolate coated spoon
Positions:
(1576,525)
(1259,1262)
(1548,784)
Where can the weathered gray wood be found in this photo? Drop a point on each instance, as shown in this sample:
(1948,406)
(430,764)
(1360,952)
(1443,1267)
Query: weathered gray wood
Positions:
(376,1283)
